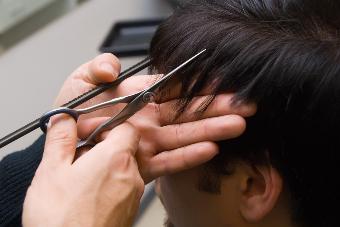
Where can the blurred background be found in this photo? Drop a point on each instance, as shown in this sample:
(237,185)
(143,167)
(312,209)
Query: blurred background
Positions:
(43,41)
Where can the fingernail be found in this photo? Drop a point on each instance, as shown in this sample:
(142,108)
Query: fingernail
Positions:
(108,68)
(248,109)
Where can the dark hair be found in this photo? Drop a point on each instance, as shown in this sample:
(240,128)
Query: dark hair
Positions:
(284,56)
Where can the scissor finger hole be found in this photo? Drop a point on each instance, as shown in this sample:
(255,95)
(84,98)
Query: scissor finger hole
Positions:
(47,116)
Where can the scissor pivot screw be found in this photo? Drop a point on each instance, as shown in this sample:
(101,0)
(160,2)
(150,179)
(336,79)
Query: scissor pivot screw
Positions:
(148,97)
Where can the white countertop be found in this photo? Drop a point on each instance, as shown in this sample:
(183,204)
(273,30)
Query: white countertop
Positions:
(33,71)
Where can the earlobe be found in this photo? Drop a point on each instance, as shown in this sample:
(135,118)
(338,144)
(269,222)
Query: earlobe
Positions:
(261,188)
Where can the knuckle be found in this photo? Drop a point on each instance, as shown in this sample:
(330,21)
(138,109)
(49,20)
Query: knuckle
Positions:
(81,72)
(129,149)
(125,169)
(130,129)
(178,134)
(135,183)
(82,68)
(139,186)
(186,163)
(123,158)
(59,136)
(165,165)
(133,135)
(121,161)
(206,131)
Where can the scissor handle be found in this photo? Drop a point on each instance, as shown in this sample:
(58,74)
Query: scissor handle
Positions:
(46,117)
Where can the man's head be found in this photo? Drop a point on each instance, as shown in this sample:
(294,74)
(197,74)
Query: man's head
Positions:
(283,55)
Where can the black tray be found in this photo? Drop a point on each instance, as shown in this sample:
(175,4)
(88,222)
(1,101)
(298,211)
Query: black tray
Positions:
(130,38)
(176,3)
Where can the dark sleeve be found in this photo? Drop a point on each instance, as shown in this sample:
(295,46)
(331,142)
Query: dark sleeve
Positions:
(16,173)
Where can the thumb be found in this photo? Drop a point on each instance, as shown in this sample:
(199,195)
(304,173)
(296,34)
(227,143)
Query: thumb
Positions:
(103,69)
(61,140)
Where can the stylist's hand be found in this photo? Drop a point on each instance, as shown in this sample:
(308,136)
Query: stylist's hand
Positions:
(166,146)
(101,188)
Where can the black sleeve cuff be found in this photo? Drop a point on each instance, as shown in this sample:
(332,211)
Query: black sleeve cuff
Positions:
(16,173)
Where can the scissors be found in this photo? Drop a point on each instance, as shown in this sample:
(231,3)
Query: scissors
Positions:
(13,136)
(135,102)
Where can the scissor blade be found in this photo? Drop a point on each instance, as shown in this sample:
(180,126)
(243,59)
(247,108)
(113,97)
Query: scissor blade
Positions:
(139,102)
(135,105)
(76,102)
(170,74)
(112,102)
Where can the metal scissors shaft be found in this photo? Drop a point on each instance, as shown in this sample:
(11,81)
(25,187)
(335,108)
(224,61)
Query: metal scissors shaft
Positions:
(76,102)
(135,102)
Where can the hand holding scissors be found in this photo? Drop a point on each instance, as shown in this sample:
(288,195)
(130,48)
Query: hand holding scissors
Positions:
(135,103)
(166,146)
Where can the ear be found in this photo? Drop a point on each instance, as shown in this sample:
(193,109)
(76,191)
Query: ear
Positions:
(261,187)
